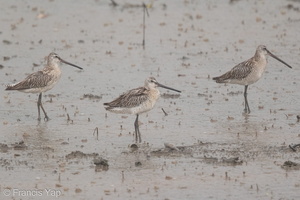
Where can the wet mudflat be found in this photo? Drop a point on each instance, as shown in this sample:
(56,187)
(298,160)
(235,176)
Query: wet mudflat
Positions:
(204,148)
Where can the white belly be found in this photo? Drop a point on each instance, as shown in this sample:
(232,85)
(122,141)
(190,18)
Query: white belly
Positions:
(145,107)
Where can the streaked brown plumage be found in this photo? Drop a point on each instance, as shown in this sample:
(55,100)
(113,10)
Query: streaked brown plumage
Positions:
(137,101)
(42,81)
(130,99)
(249,71)
(37,82)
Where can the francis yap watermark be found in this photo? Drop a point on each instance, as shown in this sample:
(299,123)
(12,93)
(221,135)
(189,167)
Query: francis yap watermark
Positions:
(15,192)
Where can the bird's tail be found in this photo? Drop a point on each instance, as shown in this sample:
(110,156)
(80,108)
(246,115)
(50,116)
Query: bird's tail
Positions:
(10,87)
(218,79)
(108,106)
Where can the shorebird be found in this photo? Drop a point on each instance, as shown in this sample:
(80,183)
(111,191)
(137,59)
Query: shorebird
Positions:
(249,71)
(42,81)
(137,101)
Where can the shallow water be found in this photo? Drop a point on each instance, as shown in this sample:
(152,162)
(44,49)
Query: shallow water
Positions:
(187,43)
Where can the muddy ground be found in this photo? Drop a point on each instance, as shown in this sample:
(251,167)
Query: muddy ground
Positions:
(204,148)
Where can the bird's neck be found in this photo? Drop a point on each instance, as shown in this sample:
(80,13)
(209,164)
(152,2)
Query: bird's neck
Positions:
(155,93)
(53,68)
(259,57)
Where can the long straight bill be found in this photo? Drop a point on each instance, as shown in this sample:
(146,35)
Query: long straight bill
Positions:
(166,87)
(69,63)
(278,59)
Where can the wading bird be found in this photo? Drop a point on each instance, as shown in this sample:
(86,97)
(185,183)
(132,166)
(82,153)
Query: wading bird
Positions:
(137,101)
(42,81)
(249,71)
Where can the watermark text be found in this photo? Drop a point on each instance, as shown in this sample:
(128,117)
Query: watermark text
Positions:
(15,192)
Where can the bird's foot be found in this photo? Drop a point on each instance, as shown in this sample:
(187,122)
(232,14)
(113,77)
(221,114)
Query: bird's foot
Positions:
(46,118)
(134,147)
(246,111)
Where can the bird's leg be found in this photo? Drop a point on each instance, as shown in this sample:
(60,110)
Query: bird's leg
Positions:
(38,105)
(247,108)
(41,105)
(137,130)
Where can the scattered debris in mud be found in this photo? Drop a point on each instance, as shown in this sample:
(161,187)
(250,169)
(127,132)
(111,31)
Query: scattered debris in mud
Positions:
(172,150)
(7,42)
(92,97)
(101,164)
(138,163)
(293,147)
(171,147)
(80,155)
(170,96)
(19,146)
(3,148)
(134,147)
(289,165)
(16,146)
(202,95)
(234,93)
(292,7)
(231,161)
